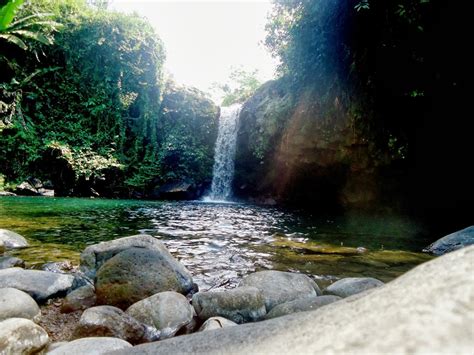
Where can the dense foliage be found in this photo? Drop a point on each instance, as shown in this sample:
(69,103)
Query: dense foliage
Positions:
(93,99)
(240,86)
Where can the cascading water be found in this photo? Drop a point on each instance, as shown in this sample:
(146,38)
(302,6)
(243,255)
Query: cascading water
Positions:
(224,155)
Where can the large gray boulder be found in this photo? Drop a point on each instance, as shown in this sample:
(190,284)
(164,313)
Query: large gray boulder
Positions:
(280,287)
(12,240)
(240,305)
(138,273)
(301,305)
(18,304)
(10,261)
(428,310)
(166,311)
(79,299)
(451,242)
(41,285)
(214,323)
(21,336)
(91,346)
(351,285)
(111,321)
(94,256)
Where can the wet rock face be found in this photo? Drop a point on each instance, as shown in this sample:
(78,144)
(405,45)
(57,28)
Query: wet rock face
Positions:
(12,240)
(138,273)
(91,346)
(279,287)
(17,304)
(451,242)
(301,305)
(110,321)
(166,311)
(21,336)
(240,305)
(41,285)
(352,285)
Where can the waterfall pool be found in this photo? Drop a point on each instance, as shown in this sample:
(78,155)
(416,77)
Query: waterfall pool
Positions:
(221,242)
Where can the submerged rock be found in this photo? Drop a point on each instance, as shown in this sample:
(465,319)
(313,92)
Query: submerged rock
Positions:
(91,346)
(451,242)
(110,321)
(351,285)
(21,336)
(166,311)
(301,305)
(428,310)
(137,273)
(79,299)
(18,304)
(41,285)
(280,287)
(10,261)
(214,323)
(12,240)
(240,305)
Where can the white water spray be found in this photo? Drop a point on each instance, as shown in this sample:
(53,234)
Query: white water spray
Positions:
(224,155)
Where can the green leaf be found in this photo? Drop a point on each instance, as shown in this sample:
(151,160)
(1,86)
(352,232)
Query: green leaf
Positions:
(15,40)
(7,13)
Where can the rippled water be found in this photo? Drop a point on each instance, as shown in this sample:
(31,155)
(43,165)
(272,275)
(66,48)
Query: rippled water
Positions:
(219,243)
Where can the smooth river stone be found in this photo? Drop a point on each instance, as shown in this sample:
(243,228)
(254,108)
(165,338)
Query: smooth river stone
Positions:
(12,240)
(18,304)
(240,305)
(351,285)
(41,285)
(301,305)
(279,287)
(21,336)
(91,346)
(166,311)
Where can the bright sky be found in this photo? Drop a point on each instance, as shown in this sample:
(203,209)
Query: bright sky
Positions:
(204,39)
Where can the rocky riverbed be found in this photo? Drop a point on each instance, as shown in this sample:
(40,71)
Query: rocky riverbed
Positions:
(132,291)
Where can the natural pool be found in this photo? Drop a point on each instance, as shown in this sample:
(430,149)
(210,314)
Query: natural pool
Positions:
(218,242)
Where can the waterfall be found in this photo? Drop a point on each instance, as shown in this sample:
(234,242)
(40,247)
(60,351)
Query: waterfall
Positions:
(224,154)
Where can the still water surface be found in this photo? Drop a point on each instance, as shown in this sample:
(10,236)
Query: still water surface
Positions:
(219,243)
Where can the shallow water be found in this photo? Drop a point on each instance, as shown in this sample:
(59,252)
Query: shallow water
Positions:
(220,242)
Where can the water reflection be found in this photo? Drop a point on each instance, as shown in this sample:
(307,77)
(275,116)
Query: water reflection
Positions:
(220,243)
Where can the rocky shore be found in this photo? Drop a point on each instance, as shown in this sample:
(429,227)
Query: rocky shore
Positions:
(132,291)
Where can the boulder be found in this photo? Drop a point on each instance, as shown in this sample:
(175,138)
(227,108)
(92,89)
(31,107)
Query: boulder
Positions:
(108,321)
(10,261)
(18,304)
(94,256)
(351,285)
(451,242)
(21,336)
(428,310)
(280,287)
(91,346)
(179,190)
(41,285)
(138,273)
(26,189)
(79,299)
(12,240)
(301,305)
(7,193)
(240,305)
(166,311)
(214,323)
